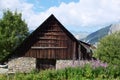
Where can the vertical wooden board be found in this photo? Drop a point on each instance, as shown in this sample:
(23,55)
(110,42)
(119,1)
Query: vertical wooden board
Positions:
(43,53)
(30,52)
(40,52)
(57,54)
(53,54)
(65,51)
(37,54)
(35,51)
(27,54)
(63,56)
(46,53)
(49,55)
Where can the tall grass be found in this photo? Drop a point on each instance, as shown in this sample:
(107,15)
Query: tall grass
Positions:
(78,73)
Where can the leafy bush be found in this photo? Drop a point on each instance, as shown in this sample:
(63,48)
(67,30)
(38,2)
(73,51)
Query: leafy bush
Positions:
(109,49)
(13,30)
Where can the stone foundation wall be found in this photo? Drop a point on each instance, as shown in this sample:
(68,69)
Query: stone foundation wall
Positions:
(61,64)
(26,64)
(22,64)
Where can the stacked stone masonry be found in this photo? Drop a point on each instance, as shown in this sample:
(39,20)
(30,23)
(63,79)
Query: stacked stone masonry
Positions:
(27,64)
(61,64)
(22,64)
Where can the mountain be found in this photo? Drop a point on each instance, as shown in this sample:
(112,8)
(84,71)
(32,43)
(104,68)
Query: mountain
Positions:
(94,37)
(114,28)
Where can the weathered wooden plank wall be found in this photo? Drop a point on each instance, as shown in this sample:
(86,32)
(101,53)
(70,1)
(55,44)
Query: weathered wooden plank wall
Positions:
(52,43)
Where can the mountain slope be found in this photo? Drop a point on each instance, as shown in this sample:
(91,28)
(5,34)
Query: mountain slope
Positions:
(114,28)
(94,37)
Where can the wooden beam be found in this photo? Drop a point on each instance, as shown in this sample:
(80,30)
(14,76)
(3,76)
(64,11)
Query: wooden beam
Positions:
(47,43)
(51,31)
(48,38)
(42,38)
(79,53)
(53,34)
(74,52)
(48,47)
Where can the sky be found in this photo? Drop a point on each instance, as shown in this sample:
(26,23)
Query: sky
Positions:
(75,15)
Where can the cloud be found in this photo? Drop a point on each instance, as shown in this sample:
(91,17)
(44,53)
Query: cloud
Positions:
(88,12)
(85,14)
(21,6)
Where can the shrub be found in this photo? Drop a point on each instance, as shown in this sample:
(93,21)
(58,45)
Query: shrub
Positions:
(78,73)
(108,49)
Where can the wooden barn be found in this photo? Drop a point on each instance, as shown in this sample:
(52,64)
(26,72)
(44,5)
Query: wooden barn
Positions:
(51,41)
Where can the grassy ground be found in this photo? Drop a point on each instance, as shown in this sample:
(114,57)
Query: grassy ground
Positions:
(85,73)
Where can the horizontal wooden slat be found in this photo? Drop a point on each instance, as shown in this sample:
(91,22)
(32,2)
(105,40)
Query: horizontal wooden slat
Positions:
(54,34)
(47,43)
(47,38)
(51,31)
(54,39)
(43,38)
(48,47)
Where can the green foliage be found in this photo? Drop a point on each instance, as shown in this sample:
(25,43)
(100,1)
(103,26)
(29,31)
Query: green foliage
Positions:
(109,49)
(13,30)
(78,73)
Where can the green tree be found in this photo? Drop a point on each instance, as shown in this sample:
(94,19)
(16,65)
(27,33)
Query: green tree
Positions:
(13,31)
(109,49)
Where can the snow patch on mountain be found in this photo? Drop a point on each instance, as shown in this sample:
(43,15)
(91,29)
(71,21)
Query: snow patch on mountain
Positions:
(114,28)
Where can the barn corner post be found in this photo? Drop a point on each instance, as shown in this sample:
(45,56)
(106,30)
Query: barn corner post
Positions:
(74,52)
(79,53)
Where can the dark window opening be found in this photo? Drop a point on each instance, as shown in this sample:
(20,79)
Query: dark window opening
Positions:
(42,64)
